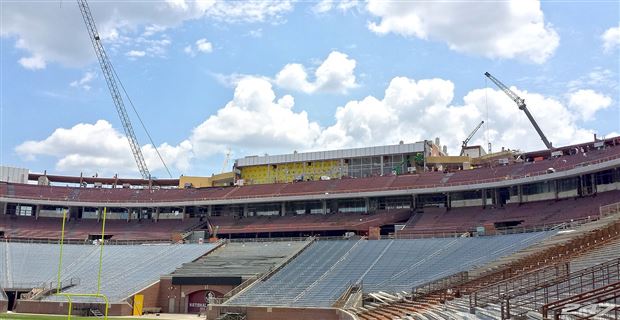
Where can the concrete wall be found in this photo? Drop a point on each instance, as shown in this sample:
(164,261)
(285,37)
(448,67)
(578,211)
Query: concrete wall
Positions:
(604,187)
(283,313)
(52,307)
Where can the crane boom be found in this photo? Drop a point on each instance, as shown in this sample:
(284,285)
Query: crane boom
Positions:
(471,135)
(521,104)
(108,73)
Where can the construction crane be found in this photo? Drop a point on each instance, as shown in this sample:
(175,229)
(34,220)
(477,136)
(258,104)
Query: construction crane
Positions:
(521,104)
(110,78)
(471,135)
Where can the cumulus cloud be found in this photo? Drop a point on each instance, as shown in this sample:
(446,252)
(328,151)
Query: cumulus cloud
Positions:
(84,82)
(587,102)
(255,120)
(335,74)
(40,29)
(201,45)
(611,39)
(413,110)
(135,54)
(327,5)
(100,148)
(495,29)
(32,63)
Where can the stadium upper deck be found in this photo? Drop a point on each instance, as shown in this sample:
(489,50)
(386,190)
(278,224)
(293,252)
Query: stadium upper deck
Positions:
(572,162)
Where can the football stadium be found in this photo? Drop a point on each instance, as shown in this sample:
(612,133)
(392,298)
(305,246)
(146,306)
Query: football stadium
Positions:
(401,231)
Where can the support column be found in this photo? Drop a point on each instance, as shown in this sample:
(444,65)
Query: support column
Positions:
(157,211)
(324,206)
(448,201)
(382,173)
(483,196)
(37,211)
(367,205)
(556,192)
(593,182)
(414,201)
(3,206)
(496,198)
(245,210)
(520,193)
(183,213)
(99,213)
(283,208)
(209,210)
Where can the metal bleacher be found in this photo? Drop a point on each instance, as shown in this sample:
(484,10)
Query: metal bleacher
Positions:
(320,275)
(126,269)
(241,259)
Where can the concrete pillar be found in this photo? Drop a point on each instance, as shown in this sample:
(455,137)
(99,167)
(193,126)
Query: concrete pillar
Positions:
(448,201)
(3,206)
(520,193)
(382,165)
(555,190)
(37,211)
(414,201)
(209,210)
(283,208)
(156,214)
(324,206)
(245,210)
(184,210)
(483,196)
(496,198)
(593,182)
(366,205)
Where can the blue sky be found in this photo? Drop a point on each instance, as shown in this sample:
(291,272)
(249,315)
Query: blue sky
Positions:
(273,77)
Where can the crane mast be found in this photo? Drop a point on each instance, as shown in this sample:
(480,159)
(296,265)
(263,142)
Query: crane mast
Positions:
(521,104)
(108,73)
(471,135)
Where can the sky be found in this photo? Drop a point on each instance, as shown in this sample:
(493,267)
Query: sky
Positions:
(210,78)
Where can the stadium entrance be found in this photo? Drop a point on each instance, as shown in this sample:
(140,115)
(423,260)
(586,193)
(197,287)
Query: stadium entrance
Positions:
(198,301)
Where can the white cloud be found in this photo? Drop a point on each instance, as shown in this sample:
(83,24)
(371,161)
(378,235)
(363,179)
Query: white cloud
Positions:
(255,120)
(99,148)
(335,74)
(327,5)
(40,29)
(415,110)
(323,6)
(204,46)
(611,39)
(201,45)
(84,81)
(587,102)
(250,11)
(32,63)
(135,53)
(495,29)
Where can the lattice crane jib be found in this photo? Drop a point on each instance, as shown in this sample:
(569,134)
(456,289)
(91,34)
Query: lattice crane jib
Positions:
(109,75)
(521,104)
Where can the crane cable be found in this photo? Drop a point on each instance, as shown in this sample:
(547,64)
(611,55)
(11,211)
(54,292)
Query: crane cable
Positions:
(140,119)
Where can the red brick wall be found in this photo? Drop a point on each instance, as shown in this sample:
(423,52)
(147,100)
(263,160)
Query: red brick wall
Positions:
(180,293)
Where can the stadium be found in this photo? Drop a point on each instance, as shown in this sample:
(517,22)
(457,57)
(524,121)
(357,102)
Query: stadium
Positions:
(518,235)
(354,230)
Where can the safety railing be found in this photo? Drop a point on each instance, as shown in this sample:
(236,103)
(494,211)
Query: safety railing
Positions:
(534,297)
(601,303)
